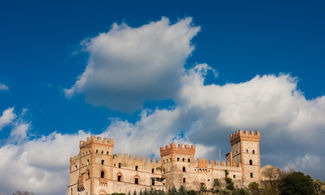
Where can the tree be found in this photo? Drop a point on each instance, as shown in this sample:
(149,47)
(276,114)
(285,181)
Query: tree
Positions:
(216,186)
(253,187)
(319,186)
(297,183)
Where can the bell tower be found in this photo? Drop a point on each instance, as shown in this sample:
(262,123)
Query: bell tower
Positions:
(245,149)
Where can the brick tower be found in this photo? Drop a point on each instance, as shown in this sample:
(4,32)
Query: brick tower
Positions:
(92,169)
(245,149)
(178,165)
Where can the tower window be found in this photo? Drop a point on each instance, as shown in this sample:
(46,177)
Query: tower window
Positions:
(119,177)
(184,180)
(189,160)
(253,151)
(107,153)
(250,162)
(234,176)
(102,162)
(184,169)
(88,162)
(183,159)
(102,174)
(247,151)
(152,170)
(136,180)
(251,175)
(136,167)
(177,159)
(153,182)
(119,165)
(97,151)
(102,151)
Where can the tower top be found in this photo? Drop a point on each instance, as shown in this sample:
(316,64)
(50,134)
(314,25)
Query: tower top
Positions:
(246,135)
(96,140)
(179,149)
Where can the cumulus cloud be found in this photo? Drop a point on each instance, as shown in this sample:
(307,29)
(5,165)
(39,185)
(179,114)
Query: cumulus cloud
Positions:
(3,87)
(128,66)
(7,117)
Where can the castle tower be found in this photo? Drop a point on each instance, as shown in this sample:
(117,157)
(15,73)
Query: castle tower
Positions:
(177,165)
(245,149)
(92,169)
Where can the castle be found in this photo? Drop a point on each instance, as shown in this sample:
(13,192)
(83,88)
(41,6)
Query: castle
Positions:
(97,171)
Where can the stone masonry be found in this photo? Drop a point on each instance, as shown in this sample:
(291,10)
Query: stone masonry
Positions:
(97,171)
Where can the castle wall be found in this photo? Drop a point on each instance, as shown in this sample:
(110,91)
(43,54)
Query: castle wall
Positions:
(95,169)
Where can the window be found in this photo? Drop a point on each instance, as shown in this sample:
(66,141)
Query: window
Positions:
(119,177)
(136,167)
(88,174)
(247,151)
(177,159)
(102,174)
(234,176)
(251,175)
(184,180)
(152,170)
(107,153)
(76,167)
(184,169)
(88,162)
(136,180)
(189,160)
(119,165)
(102,162)
(253,151)
(97,151)
(153,182)
(250,162)
(183,159)
(102,151)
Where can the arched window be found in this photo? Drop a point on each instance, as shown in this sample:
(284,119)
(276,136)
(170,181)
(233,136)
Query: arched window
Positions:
(136,167)
(189,160)
(88,162)
(102,162)
(152,170)
(97,151)
(102,174)
(251,175)
(184,180)
(184,169)
(119,165)
(177,159)
(247,151)
(119,177)
(183,159)
(250,162)
(107,153)
(253,151)
(102,151)
(136,179)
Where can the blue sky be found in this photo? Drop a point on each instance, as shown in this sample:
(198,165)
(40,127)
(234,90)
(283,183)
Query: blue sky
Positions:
(41,55)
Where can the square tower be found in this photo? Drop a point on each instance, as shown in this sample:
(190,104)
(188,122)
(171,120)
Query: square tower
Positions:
(92,169)
(245,149)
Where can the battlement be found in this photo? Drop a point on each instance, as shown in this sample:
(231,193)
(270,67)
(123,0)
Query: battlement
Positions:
(205,163)
(136,159)
(179,149)
(244,135)
(96,140)
(74,158)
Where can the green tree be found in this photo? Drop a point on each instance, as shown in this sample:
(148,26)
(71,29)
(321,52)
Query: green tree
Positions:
(253,187)
(297,183)
(216,186)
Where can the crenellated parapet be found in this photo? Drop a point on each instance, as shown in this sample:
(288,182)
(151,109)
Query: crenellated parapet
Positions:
(246,135)
(96,140)
(179,149)
(210,164)
(135,159)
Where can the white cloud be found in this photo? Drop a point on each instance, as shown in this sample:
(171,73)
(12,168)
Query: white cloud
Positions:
(7,117)
(3,87)
(128,66)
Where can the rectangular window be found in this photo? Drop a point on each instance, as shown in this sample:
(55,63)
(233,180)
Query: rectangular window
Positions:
(136,167)
(119,165)
(153,182)
(119,178)
(136,181)
(152,170)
